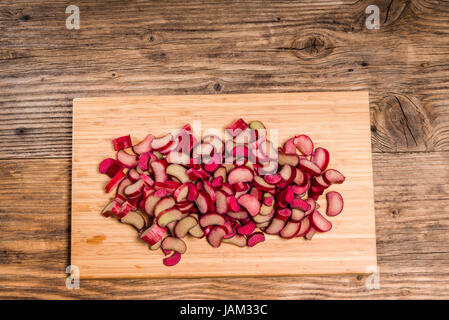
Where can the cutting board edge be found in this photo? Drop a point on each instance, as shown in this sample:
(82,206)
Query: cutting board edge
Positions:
(146,98)
(236,275)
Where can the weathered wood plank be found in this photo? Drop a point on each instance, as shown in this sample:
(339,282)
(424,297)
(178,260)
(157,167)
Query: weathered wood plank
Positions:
(412,201)
(142,48)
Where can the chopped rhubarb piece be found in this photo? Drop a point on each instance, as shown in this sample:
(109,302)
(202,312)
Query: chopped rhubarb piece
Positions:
(297,215)
(105,165)
(236,239)
(125,209)
(196,231)
(227,189)
(168,185)
(192,193)
(217,182)
(143,161)
(172,260)
(289,146)
(115,181)
(310,233)
(334,203)
(256,192)
(300,190)
(332,176)
(283,214)
(181,192)
(313,206)
(167,216)
(263,218)
(163,204)
(183,226)
(135,219)
(275,226)
(255,238)
(126,159)
(175,244)
(221,173)
(153,234)
(241,186)
(193,174)
(122,143)
(209,189)
(216,235)
(300,204)
(321,158)
(147,179)
(115,167)
(310,167)
(290,230)
(286,195)
(273,178)
(221,204)
(177,171)
(285,158)
(240,174)
(158,167)
(260,183)
(162,143)
(304,227)
(246,229)
(134,189)
(237,127)
(304,144)
(268,199)
(318,182)
(320,223)
(300,177)
(133,175)
(144,146)
(237,215)
(111,209)
(213,163)
(212,219)
(203,202)
(250,203)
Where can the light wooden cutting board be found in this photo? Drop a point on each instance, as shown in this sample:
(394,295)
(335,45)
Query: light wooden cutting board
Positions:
(338,121)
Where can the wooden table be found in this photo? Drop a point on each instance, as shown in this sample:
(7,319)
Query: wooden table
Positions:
(177,47)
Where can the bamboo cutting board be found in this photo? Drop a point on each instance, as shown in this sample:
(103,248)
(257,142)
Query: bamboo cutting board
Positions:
(338,121)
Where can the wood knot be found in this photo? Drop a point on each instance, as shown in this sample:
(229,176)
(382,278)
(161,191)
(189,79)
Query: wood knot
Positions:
(21,131)
(151,38)
(217,87)
(312,47)
(394,11)
(25,17)
(402,124)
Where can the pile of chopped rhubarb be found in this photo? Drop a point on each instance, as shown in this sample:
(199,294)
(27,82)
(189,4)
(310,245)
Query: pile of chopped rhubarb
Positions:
(229,190)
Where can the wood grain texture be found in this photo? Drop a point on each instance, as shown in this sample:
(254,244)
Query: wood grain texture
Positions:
(338,121)
(174,47)
(144,47)
(412,241)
